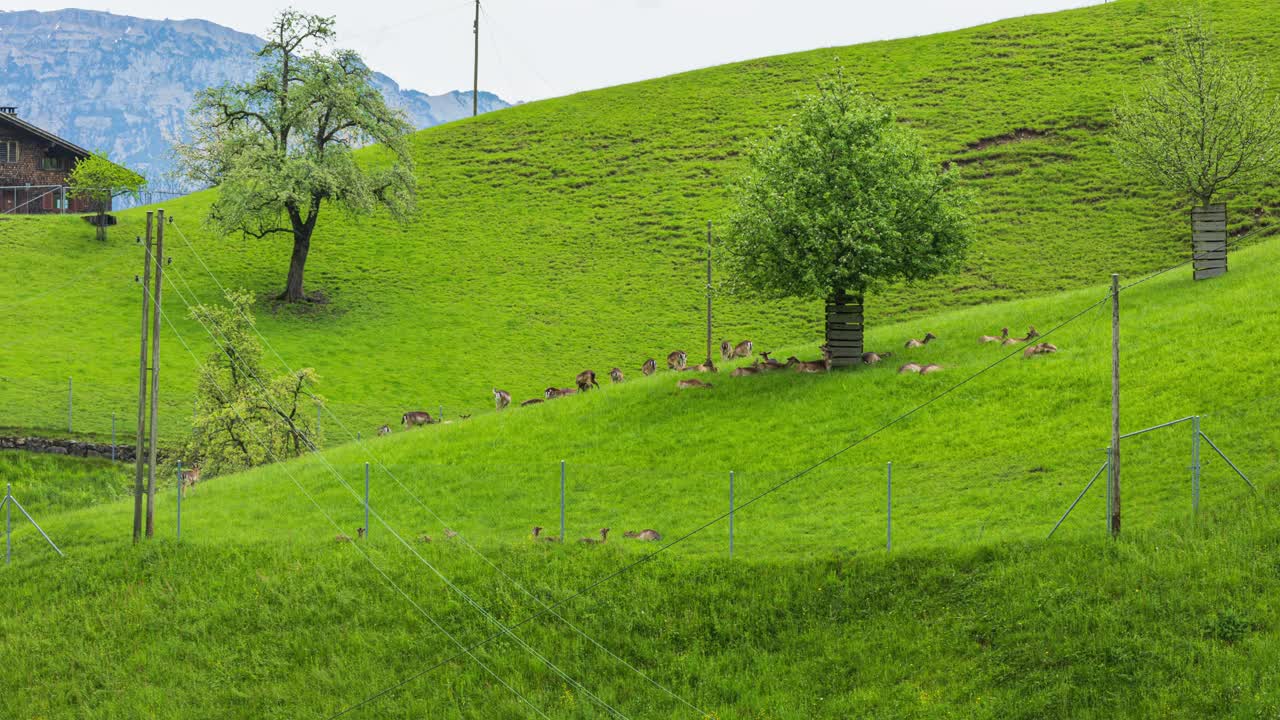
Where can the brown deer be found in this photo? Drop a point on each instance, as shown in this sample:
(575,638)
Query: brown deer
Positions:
(647,535)
(871,358)
(554,392)
(770,363)
(586,380)
(341,538)
(930,368)
(928,337)
(741,350)
(450,534)
(649,367)
(752,369)
(360,532)
(909,368)
(812,366)
(537,535)
(1032,334)
(677,360)
(726,350)
(604,537)
(692,383)
(1040,349)
(501,399)
(616,375)
(531,401)
(1004,335)
(189,479)
(707,366)
(384,430)
(416,417)
(424,538)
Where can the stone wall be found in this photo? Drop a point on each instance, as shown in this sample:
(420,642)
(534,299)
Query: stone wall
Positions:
(73,448)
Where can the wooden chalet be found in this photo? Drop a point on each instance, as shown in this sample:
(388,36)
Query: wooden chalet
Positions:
(34,166)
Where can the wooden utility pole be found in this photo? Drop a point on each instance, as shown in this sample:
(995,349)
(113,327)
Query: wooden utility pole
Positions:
(708,291)
(155,373)
(1114,520)
(475,77)
(142,390)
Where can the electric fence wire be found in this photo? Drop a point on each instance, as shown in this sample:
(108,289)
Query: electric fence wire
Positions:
(421,503)
(469,651)
(503,629)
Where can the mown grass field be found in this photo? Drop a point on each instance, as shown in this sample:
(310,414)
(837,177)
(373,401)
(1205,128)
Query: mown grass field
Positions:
(974,614)
(570,233)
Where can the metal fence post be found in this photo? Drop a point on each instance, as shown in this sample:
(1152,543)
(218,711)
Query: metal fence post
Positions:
(1195,467)
(1111,468)
(888,525)
(562,537)
(113,437)
(366,500)
(8,492)
(69,405)
(180,490)
(730,513)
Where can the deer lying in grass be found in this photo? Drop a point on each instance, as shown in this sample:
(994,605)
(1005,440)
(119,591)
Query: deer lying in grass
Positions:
(537,535)
(189,479)
(909,368)
(1004,335)
(1040,349)
(616,375)
(554,392)
(501,398)
(752,369)
(770,363)
(604,537)
(811,366)
(410,419)
(677,360)
(341,538)
(586,380)
(647,535)
(384,430)
(928,338)
(450,534)
(871,358)
(531,401)
(1032,334)
(930,368)
(649,367)
(692,383)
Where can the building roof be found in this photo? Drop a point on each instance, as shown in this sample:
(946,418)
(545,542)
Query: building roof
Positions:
(24,125)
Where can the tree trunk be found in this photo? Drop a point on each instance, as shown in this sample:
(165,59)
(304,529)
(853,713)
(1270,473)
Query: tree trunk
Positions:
(844,328)
(1209,241)
(293,286)
(102,225)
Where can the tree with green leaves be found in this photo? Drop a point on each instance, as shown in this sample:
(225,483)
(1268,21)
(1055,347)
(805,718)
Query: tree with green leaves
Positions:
(280,148)
(244,418)
(1202,123)
(842,200)
(98,180)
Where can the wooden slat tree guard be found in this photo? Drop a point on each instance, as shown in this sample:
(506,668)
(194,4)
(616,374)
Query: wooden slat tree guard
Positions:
(1209,241)
(844,329)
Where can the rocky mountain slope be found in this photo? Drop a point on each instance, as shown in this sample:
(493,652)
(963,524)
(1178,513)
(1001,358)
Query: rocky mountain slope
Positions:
(123,84)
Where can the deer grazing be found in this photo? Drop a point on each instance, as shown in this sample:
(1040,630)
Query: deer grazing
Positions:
(417,417)
(586,380)
(537,535)
(604,537)
(1032,334)
(554,392)
(752,369)
(647,535)
(1004,335)
(928,337)
(616,375)
(501,398)
(531,401)
(692,383)
(649,367)
(677,360)
(189,479)
(1040,349)
(384,430)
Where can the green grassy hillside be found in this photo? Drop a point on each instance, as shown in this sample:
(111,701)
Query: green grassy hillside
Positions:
(974,615)
(569,233)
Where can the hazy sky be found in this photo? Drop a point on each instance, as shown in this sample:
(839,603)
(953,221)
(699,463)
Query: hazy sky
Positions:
(531,49)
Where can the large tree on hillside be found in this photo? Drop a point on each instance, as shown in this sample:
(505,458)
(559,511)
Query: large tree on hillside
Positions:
(1201,124)
(840,201)
(280,147)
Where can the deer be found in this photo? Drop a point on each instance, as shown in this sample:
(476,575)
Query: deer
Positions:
(692,383)
(752,369)
(554,392)
(1004,335)
(384,430)
(649,367)
(531,401)
(341,538)
(928,337)
(416,417)
(647,535)
(360,531)
(1032,334)
(811,366)
(538,536)
(616,375)
(450,534)
(871,358)
(707,366)
(741,350)
(424,538)
(909,368)
(604,537)
(770,363)
(1040,349)
(930,368)
(189,479)
(501,399)
(677,360)
(586,380)
(726,350)
(465,417)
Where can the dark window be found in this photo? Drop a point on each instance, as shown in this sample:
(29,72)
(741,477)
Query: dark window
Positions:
(8,151)
(53,163)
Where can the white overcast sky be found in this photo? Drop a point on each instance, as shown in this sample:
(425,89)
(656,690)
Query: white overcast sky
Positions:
(532,49)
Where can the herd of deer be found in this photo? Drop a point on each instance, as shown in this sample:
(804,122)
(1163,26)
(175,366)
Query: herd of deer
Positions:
(644,535)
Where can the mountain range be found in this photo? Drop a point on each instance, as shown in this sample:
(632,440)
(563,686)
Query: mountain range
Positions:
(123,84)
